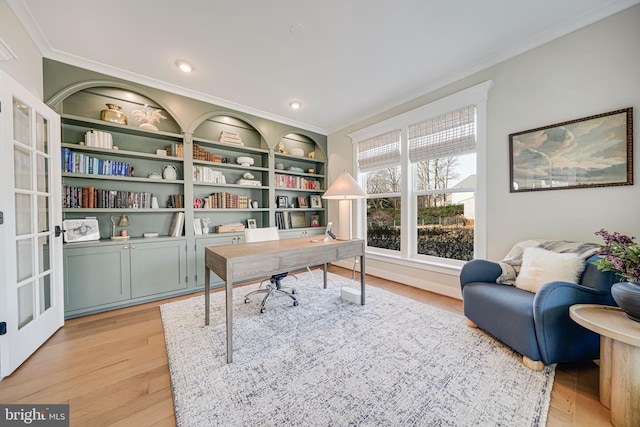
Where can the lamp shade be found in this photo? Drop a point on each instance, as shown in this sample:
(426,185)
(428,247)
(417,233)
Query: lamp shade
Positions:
(346,188)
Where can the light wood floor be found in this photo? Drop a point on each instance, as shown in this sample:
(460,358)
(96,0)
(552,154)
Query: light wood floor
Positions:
(112,369)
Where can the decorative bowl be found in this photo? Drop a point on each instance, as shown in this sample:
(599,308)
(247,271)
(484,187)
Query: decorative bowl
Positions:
(297,152)
(244,161)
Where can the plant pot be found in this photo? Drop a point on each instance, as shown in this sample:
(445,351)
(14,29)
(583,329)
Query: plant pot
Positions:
(627,296)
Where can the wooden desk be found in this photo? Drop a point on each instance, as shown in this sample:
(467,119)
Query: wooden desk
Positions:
(619,359)
(247,261)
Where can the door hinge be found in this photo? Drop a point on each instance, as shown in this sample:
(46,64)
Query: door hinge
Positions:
(1,217)
(3,328)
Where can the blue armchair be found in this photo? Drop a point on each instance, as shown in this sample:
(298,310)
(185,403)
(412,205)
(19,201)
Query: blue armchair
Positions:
(537,325)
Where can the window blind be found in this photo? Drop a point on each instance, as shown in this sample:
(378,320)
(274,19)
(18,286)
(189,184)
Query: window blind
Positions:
(447,135)
(382,151)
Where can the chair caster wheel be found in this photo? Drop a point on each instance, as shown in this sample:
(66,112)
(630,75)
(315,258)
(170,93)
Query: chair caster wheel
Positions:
(246,300)
(262,310)
(295,303)
(293,291)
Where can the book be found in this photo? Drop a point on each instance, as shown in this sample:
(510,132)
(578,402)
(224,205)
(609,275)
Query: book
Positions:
(177,222)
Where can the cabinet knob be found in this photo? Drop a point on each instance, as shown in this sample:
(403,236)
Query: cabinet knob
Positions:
(125,247)
(133,246)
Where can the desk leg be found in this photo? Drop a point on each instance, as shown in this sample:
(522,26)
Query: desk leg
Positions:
(229,307)
(207,296)
(324,275)
(362,274)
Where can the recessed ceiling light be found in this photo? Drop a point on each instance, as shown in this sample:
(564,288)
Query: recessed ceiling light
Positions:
(296,29)
(295,105)
(184,66)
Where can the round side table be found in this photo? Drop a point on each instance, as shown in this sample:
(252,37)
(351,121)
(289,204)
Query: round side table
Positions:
(619,359)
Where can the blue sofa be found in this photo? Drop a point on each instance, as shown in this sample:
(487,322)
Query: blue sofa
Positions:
(537,325)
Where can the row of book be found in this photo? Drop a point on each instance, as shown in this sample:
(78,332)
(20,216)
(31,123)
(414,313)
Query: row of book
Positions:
(81,163)
(91,197)
(226,200)
(286,220)
(175,150)
(176,201)
(177,224)
(207,174)
(200,153)
(298,182)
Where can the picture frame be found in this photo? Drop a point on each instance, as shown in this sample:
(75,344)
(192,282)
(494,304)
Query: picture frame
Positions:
(251,223)
(298,220)
(281,201)
(594,151)
(197,227)
(302,202)
(81,230)
(314,220)
(315,201)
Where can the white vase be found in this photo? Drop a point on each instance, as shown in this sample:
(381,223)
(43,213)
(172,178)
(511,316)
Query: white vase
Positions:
(205,230)
(147,126)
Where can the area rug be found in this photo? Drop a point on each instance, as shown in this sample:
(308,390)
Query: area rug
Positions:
(391,362)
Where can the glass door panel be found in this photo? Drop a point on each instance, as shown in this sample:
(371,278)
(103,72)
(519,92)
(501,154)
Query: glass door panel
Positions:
(22,169)
(23,214)
(25,304)
(21,122)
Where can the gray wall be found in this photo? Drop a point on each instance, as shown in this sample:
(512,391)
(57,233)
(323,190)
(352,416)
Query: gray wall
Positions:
(590,71)
(27,69)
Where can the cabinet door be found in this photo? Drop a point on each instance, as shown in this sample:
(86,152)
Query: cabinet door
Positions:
(158,267)
(96,275)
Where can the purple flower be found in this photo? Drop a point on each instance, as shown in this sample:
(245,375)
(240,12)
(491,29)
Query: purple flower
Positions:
(620,254)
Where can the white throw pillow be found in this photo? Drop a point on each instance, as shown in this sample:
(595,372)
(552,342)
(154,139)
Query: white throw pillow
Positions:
(540,266)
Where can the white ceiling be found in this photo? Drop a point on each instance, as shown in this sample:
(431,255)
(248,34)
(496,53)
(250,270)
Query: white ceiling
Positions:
(353,58)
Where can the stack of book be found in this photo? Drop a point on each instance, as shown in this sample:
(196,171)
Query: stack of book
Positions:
(231,137)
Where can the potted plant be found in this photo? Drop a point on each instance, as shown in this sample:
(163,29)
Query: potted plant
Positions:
(621,255)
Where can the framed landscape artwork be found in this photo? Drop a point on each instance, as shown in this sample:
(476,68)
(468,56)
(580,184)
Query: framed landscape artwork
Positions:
(594,151)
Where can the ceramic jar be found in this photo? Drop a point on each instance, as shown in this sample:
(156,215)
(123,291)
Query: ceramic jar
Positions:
(169,172)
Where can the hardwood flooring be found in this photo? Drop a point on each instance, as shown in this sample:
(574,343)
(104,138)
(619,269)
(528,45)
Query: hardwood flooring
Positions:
(112,369)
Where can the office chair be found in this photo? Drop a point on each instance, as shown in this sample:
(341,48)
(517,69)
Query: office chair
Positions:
(275,286)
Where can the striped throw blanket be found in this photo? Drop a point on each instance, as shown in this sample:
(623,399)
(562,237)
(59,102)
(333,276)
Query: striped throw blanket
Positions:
(511,263)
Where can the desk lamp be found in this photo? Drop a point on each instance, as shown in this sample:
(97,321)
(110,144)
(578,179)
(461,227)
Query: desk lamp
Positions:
(344,189)
(123,222)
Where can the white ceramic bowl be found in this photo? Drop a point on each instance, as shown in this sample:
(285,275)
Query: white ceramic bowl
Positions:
(297,151)
(244,161)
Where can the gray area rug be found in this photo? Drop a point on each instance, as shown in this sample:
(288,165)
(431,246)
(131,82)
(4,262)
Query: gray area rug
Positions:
(391,362)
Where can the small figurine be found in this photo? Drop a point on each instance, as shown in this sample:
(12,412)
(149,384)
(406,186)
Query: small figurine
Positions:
(281,148)
(312,155)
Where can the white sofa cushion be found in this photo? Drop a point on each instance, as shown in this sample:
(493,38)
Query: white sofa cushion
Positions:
(540,266)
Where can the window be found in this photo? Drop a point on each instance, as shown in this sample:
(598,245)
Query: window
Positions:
(442,152)
(379,162)
(424,176)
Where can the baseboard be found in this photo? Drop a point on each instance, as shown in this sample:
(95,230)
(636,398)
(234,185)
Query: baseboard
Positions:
(404,279)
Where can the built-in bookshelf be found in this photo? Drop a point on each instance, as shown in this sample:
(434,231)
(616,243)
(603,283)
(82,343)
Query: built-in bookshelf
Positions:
(226,171)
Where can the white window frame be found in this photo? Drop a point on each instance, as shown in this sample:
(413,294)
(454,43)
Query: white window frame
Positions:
(476,95)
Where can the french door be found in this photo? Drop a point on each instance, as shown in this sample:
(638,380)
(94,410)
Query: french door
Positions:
(31,287)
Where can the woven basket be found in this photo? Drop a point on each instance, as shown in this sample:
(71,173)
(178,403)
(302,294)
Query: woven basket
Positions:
(229,228)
